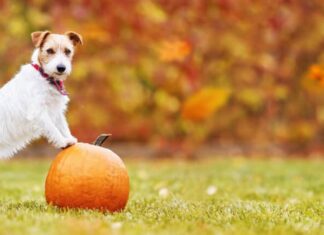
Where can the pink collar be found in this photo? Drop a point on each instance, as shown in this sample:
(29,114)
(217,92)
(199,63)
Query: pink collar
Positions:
(59,85)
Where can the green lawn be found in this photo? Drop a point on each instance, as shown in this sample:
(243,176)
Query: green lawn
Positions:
(235,196)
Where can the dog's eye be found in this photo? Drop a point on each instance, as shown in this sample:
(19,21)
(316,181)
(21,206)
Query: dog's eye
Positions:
(50,51)
(67,51)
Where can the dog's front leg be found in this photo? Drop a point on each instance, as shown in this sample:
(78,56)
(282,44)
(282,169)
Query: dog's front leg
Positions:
(52,133)
(62,125)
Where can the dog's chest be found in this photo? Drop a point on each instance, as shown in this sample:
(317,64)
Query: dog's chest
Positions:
(48,95)
(55,102)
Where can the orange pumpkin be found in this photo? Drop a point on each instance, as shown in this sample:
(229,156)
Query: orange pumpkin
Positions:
(88,176)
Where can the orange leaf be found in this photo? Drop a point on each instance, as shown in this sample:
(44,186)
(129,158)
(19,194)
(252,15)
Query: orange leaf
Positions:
(204,103)
(316,73)
(175,50)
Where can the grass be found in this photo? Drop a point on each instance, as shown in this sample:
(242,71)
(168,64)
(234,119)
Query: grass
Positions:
(234,196)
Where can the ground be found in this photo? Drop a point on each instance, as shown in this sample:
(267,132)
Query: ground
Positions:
(236,196)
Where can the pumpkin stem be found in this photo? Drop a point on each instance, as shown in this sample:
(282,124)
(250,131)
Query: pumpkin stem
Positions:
(101,139)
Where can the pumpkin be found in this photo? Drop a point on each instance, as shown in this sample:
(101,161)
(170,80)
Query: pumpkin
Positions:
(88,176)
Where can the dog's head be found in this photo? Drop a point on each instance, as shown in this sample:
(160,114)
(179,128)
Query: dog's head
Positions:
(55,52)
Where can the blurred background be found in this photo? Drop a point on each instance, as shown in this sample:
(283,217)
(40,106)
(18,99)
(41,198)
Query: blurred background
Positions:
(185,78)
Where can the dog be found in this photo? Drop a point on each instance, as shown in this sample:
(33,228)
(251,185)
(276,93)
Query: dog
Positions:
(33,103)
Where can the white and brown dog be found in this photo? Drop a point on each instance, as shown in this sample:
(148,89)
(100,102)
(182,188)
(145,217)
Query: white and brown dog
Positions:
(33,103)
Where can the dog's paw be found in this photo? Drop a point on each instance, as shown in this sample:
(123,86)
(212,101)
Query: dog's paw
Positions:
(67,142)
(72,140)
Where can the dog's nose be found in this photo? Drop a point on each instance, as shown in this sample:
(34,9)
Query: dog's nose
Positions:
(60,68)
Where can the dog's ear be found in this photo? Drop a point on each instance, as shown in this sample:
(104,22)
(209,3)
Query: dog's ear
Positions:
(39,37)
(74,37)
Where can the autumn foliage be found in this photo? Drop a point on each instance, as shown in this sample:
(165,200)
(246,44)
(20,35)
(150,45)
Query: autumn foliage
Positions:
(204,103)
(238,71)
(316,72)
(174,50)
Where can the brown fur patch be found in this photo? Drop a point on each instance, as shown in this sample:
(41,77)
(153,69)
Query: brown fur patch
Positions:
(39,37)
(74,37)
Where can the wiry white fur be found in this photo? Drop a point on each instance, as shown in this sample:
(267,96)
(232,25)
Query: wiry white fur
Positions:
(30,108)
